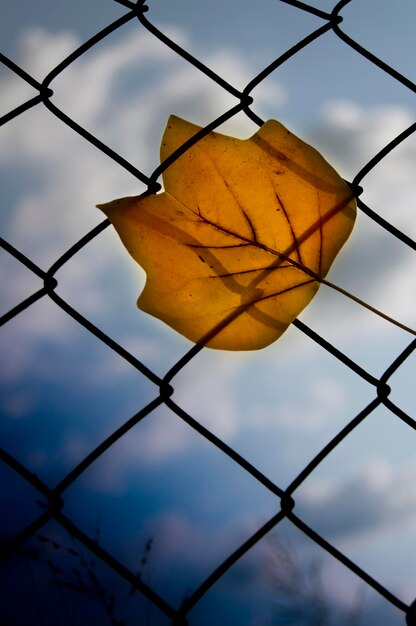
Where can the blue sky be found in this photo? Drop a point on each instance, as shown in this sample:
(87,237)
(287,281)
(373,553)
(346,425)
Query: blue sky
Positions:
(63,392)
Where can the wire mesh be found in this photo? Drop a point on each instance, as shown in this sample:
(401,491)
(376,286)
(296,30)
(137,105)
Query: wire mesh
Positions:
(53,497)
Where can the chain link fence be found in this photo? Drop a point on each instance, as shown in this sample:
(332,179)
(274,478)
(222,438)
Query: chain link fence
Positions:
(52,498)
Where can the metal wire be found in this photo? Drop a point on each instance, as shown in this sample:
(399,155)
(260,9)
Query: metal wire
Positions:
(54,497)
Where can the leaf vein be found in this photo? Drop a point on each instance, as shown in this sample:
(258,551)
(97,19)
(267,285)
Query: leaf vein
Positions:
(292,231)
(279,293)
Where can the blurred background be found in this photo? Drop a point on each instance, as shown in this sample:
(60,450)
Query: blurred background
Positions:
(163,500)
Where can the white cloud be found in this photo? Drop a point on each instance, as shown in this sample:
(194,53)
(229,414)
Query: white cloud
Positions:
(377,496)
(312,410)
(352,134)
(207,391)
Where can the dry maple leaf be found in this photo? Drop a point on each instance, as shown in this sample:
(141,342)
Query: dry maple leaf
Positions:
(241,239)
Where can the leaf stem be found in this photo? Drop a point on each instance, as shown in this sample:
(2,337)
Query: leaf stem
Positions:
(367,306)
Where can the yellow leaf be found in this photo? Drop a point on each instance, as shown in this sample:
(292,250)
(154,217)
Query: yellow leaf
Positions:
(238,243)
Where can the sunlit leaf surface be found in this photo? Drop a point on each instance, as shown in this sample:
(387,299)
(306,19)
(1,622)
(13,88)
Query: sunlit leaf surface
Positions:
(237,244)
